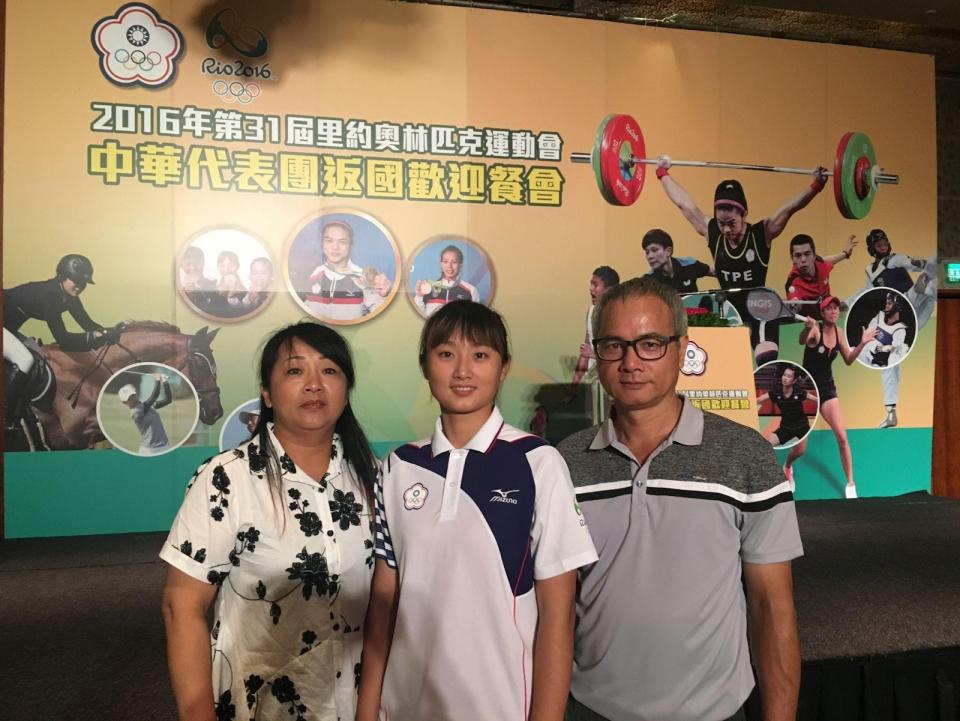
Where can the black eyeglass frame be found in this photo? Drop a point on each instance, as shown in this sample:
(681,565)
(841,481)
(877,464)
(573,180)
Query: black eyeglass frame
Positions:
(662,340)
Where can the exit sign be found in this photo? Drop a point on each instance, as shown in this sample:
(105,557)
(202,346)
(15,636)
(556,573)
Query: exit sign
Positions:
(951,272)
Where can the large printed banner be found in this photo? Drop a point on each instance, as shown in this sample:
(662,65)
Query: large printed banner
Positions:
(181,179)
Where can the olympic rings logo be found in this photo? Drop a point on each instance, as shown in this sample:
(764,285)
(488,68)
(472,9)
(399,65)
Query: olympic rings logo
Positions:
(236,92)
(138,59)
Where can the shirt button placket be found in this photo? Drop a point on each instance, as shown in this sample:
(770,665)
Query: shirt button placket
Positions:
(451,491)
(640,485)
(331,550)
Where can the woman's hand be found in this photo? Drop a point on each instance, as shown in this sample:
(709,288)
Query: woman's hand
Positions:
(423,288)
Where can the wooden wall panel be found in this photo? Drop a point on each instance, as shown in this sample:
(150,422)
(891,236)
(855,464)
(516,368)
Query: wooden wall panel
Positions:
(946,399)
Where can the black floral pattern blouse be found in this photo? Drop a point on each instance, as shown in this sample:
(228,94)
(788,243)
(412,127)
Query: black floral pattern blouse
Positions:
(294,581)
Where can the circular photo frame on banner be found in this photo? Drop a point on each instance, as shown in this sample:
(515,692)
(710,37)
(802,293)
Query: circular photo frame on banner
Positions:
(240,424)
(788,402)
(225,274)
(342,266)
(148,409)
(890,316)
(445,268)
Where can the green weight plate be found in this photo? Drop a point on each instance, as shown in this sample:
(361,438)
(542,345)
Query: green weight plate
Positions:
(854,149)
(595,158)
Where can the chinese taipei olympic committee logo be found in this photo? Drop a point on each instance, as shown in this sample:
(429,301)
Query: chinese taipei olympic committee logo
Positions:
(694,360)
(414,497)
(137,47)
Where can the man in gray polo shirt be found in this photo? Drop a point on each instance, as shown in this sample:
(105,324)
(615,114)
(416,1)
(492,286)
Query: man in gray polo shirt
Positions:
(695,527)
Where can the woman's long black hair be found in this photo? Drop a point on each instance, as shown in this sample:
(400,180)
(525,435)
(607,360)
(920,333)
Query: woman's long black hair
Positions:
(356,448)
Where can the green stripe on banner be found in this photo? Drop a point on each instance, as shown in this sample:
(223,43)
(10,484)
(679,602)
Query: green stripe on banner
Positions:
(82,493)
(886,462)
(79,493)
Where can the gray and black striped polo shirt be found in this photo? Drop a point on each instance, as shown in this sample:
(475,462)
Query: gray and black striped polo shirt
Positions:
(661,616)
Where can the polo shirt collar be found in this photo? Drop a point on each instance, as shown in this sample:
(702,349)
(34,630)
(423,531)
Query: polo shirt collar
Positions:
(687,432)
(481,441)
(689,429)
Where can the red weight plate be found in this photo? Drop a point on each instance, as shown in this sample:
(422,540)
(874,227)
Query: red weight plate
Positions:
(837,179)
(622,179)
(861,176)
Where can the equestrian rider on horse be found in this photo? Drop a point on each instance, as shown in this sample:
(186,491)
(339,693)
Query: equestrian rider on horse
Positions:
(47,300)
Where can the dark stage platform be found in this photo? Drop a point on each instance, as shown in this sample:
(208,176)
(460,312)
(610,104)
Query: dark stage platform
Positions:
(878,596)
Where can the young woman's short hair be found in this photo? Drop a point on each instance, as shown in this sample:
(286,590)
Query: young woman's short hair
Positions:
(228,254)
(343,225)
(797,376)
(471,321)
(452,249)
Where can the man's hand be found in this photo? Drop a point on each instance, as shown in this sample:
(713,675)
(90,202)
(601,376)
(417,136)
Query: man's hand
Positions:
(664,163)
(819,178)
(852,243)
(774,641)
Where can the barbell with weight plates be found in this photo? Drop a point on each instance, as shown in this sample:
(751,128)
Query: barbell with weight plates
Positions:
(619,159)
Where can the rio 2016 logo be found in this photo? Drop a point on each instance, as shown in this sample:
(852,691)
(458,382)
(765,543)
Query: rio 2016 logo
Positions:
(137,47)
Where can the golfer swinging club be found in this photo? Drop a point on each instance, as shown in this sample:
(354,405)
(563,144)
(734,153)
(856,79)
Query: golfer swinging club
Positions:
(153,436)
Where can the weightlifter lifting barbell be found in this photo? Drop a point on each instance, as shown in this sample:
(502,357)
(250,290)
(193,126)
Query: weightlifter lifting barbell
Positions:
(740,250)
(618,160)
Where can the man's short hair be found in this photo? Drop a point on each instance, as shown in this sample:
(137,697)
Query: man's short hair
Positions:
(639,288)
(729,195)
(802,239)
(608,275)
(657,237)
(339,224)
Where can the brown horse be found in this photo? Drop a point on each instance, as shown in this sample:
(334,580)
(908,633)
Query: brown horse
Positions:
(71,423)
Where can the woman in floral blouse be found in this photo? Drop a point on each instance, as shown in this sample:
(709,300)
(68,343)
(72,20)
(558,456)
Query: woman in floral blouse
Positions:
(277,533)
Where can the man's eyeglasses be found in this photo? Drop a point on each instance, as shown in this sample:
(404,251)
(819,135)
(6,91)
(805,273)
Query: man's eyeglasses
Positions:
(647,347)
